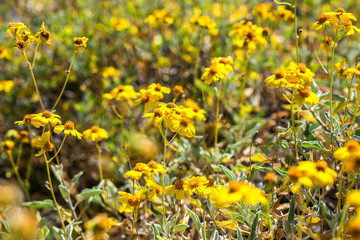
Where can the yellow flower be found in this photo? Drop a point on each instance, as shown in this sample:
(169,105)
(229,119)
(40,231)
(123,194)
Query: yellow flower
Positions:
(130,202)
(298,178)
(298,75)
(178,89)
(68,128)
(349,72)
(159,17)
(349,155)
(156,168)
(147,98)
(340,68)
(97,227)
(155,189)
(228,61)
(111,72)
(305,95)
(28,119)
(4,53)
(210,187)
(319,173)
(353,199)
(158,91)
(214,73)
(6,85)
(24,136)
(183,127)
(45,118)
(138,171)
(353,228)
(195,111)
(133,174)
(120,93)
(277,80)
(80,42)
(237,192)
(195,184)
(325,19)
(177,189)
(120,24)
(157,117)
(43,143)
(95,134)
(44,36)
(7,146)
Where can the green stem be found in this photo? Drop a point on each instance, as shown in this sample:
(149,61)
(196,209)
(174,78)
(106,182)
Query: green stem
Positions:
(17,174)
(294,132)
(33,77)
(134,223)
(163,177)
(99,161)
(62,143)
(67,78)
(54,198)
(217,117)
(296,33)
(331,75)
(36,49)
(242,87)
(340,188)
(204,221)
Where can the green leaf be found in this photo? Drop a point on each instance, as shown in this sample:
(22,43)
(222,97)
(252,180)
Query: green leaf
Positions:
(238,233)
(280,172)
(75,179)
(88,192)
(228,173)
(313,144)
(159,215)
(195,218)
(253,233)
(64,191)
(216,235)
(180,227)
(234,215)
(292,210)
(155,230)
(48,203)
(284,144)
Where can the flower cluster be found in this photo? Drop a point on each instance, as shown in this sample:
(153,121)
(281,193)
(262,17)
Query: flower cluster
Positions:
(350,156)
(311,174)
(267,12)
(159,17)
(21,33)
(247,37)
(219,69)
(203,22)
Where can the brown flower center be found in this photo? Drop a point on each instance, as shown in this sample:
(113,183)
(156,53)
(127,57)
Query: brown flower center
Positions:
(178,89)
(45,34)
(95,129)
(234,186)
(121,88)
(321,166)
(158,113)
(352,146)
(302,67)
(294,173)
(78,41)
(185,121)
(152,164)
(21,44)
(340,10)
(46,114)
(212,70)
(27,119)
(69,125)
(158,87)
(266,31)
(279,74)
(305,92)
(196,109)
(145,99)
(179,184)
(210,182)
(194,183)
(171,105)
(323,18)
(134,201)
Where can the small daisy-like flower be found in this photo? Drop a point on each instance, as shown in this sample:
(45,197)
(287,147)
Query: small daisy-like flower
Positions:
(46,118)
(305,95)
(157,117)
(178,89)
(156,167)
(196,184)
(349,155)
(183,126)
(210,187)
(43,143)
(95,134)
(195,111)
(68,128)
(130,202)
(7,146)
(277,80)
(177,189)
(325,19)
(158,91)
(28,119)
(214,73)
(80,42)
(121,93)
(147,98)
(44,36)
(24,136)
(155,190)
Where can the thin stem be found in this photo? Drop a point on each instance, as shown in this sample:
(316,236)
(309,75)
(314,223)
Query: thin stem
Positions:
(17,174)
(67,78)
(33,78)
(62,143)
(54,198)
(172,139)
(36,49)
(134,223)
(294,132)
(242,87)
(163,177)
(18,159)
(99,160)
(217,117)
(340,188)
(204,220)
(296,33)
(331,75)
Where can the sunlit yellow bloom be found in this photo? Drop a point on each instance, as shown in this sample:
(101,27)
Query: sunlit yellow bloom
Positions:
(214,73)
(195,184)
(28,119)
(210,187)
(6,85)
(201,21)
(130,202)
(265,11)
(111,72)
(349,155)
(68,128)
(297,176)
(183,126)
(4,53)
(159,17)
(349,72)
(44,36)
(348,28)
(80,42)
(121,93)
(24,136)
(43,143)
(147,98)
(158,91)
(120,24)
(177,189)
(305,95)
(340,68)
(7,146)
(156,168)
(353,199)
(157,117)
(237,192)
(319,173)
(95,134)
(45,118)
(97,227)
(352,228)
(155,189)
(325,19)
(133,174)
(285,14)
(277,80)
(298,75)
(178,89)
